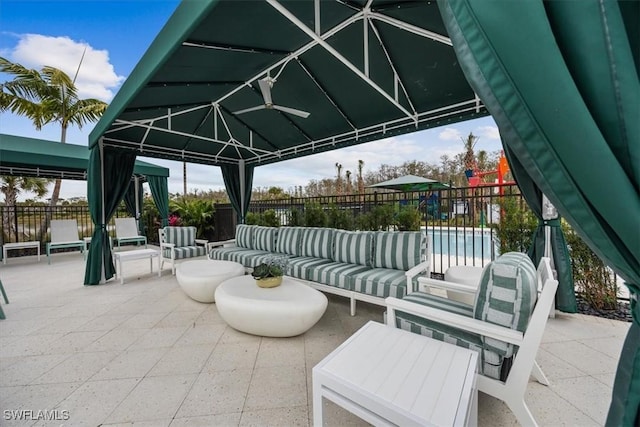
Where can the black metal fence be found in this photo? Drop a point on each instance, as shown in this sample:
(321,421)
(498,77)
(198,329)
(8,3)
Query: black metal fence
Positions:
(465,226)
(31,223)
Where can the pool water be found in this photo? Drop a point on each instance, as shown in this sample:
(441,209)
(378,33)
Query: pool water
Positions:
(455,246)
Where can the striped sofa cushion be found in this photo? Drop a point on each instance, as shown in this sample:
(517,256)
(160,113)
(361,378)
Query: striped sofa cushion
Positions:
(299,267)
(265,238)
(289,240)
(180,236)
(244,236)
(353,247)
(185,252)
(224,254)
(335,274)
(317,242)
(401,250)
(382,282)
(248,257)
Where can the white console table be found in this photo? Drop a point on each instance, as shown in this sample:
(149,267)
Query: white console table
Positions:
(389,376)
(136,254)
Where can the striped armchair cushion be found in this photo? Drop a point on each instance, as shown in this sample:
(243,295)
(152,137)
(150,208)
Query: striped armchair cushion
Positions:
(353,247)
(185,252)
(506,296)
(244,236)
(180,236)
(317,242)
(401,250)
(265,238)
(435,330)
(289,240)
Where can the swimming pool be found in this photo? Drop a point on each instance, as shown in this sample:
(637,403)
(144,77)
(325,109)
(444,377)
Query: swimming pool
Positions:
(456,246)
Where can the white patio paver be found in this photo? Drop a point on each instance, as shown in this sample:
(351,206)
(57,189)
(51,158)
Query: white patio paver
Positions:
(145,353)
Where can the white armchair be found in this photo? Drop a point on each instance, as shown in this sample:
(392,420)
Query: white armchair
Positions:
(507,343)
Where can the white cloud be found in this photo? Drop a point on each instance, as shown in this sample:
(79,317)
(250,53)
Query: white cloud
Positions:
(96,78)
(450,134)
(488,132)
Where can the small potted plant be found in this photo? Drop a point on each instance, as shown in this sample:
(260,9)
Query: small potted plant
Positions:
(269,273)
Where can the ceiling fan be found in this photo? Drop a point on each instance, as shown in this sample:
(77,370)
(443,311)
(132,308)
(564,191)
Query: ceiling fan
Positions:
(265,87)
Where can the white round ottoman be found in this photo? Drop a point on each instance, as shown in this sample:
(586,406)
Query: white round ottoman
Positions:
(284,311)
(200,278)
(467,275)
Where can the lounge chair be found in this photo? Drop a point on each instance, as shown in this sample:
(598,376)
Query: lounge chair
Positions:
(127,231)
(64,234)
(507,341)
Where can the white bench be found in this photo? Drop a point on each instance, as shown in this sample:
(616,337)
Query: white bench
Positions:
(389,376)
(19,245)
(133,255)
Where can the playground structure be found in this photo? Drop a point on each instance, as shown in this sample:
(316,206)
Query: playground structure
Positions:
(475,176)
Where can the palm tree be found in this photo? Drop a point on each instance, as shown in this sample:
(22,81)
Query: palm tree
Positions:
(47,96)
(470,164)
(469,156)
(339,180)
(360,180)
(348,183)
(11,187)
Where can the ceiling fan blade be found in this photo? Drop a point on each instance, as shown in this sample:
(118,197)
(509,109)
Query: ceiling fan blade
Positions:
(292,111)
(265,88)
(246,110)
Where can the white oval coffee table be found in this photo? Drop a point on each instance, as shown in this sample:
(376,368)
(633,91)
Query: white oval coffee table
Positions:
(284,311)
(200,278)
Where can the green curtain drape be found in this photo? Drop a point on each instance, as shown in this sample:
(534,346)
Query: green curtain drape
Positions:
(232,182)
(561,80)
(160,193)
(565,295)
(130,203)
(108,177)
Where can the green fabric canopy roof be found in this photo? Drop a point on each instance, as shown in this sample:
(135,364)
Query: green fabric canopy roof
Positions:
(363,70)
(48,159)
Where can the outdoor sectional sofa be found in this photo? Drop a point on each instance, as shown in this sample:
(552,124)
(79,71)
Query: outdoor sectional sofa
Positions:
(361,265)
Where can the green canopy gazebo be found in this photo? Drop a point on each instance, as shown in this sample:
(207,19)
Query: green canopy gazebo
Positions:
(23,156)
(243,84)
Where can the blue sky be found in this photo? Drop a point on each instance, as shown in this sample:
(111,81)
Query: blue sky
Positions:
(117,33)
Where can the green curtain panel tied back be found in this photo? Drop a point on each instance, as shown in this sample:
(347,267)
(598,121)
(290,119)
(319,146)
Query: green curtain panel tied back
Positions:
(160,192)
(565,296)
(231,177)
(130,203)
(111,175)
(561,79)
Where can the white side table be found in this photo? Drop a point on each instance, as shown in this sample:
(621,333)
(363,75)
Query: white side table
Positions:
(19,245)
(389,376)
(136,254)
(467,275)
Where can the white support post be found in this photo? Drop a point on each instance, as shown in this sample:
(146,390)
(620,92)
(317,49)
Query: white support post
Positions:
(549,212)
(242,195)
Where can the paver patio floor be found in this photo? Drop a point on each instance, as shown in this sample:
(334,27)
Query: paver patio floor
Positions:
(144,353)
